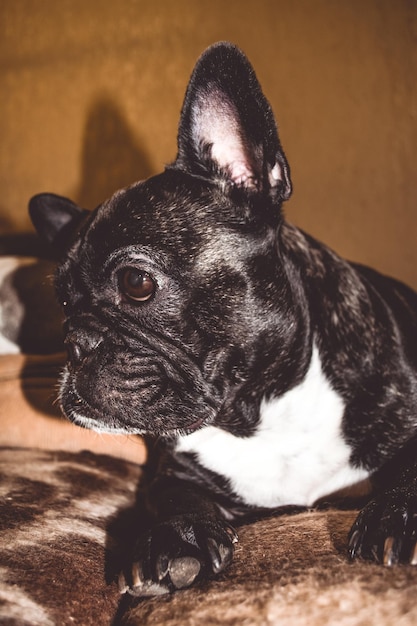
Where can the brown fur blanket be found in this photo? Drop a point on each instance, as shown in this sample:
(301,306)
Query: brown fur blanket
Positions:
(64,520)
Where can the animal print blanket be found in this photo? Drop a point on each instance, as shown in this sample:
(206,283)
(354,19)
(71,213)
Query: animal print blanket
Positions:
(67,518)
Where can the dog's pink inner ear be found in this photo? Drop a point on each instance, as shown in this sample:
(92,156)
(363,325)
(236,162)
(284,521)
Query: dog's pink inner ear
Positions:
(216,127)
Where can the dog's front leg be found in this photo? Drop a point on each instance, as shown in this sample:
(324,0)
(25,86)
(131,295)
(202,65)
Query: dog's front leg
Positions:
(188,540)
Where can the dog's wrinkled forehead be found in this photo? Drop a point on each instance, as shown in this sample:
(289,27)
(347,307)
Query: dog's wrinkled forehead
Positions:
(157,214)
(173,216)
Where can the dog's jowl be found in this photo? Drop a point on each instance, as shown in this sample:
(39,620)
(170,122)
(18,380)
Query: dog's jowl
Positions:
(267,370)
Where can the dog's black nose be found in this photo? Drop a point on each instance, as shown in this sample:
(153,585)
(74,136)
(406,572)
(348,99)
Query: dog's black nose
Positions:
(74,352)
(80,346)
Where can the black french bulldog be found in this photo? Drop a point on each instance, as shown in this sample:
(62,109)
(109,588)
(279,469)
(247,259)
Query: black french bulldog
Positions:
(269,371)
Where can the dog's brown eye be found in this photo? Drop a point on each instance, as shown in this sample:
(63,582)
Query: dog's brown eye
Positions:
(136,284)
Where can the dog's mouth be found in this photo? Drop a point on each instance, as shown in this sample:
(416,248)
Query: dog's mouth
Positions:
(114,391)
(81,413)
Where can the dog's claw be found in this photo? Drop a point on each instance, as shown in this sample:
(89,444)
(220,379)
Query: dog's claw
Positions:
(138,585)
(413,555)
(220,555)
(392,549)
(214,553)
(137,575)
(162,566)
(123,586)
(234,537)
(139,588)
(355,543)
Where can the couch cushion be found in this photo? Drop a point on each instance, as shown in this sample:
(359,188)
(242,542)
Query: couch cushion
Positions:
(30,416)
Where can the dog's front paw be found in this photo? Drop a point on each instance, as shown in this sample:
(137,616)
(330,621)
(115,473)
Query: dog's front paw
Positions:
(176,553)
(386,529)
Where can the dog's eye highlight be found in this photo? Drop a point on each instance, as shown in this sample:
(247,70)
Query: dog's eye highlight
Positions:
(136,285)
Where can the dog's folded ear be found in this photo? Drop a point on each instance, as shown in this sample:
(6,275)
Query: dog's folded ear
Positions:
(56,219)
(227,129)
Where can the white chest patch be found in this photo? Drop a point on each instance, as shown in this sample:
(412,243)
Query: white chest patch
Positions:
(297,454)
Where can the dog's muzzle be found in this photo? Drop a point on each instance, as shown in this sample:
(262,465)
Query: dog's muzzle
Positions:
(133,385)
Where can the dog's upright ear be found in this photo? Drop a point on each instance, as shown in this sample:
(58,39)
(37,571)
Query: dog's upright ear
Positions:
(56,219)
(227,129)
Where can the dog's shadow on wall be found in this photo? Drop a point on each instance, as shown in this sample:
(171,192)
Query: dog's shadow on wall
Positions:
(111,159)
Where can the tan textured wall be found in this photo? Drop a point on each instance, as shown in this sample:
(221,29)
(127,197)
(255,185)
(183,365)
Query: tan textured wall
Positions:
(90,93)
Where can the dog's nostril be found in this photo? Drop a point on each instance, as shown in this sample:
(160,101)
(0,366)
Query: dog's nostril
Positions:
(75,353)
(80,345)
